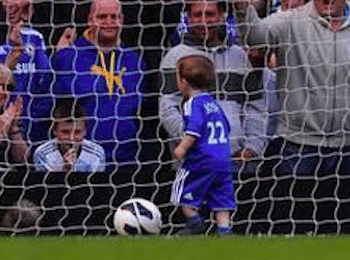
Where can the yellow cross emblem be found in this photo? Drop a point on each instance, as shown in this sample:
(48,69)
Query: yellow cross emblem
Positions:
(109,76)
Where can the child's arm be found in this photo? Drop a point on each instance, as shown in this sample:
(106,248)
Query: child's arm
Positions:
(186,143)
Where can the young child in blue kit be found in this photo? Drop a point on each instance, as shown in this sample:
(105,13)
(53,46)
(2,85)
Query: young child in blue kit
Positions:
(206,173)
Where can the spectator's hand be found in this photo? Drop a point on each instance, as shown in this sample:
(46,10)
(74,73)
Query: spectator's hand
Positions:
(15,35)
(18,108)
(248,153)
(67,38)
(70,158)
(16,38)
(244,155)
(3,93)
(5,79)
(7,120)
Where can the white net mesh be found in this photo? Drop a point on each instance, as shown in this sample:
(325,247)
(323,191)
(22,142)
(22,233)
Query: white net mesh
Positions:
(81,203)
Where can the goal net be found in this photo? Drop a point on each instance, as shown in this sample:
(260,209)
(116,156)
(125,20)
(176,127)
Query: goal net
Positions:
(83,203)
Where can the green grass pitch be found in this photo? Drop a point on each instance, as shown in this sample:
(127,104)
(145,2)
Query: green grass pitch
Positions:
(175,248)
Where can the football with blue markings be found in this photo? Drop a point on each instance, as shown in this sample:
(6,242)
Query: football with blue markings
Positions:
(137,216)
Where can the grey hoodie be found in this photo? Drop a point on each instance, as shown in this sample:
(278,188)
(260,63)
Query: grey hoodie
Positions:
(313,73)
(238,91)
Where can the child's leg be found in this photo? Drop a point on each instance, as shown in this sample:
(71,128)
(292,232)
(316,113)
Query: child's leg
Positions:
(194,222)
(223,222)
(189,190)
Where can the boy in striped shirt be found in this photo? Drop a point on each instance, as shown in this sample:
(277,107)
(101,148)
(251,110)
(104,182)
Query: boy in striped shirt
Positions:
(69,151)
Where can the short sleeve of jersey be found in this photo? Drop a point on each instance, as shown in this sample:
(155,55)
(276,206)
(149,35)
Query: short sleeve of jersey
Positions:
(194,118)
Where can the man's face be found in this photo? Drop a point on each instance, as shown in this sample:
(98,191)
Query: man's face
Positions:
(70,133)
(16,10)
(106,20)
(330,8)
(205,19)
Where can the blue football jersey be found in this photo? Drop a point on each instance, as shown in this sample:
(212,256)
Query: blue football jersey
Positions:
(205,120)
(33,78)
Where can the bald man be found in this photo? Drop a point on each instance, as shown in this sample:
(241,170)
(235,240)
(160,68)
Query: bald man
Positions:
(108,80)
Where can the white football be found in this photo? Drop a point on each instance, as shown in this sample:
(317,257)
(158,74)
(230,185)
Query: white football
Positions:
(137,216)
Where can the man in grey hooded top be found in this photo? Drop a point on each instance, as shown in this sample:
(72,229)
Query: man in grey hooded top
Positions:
(313,64)
(238,87)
